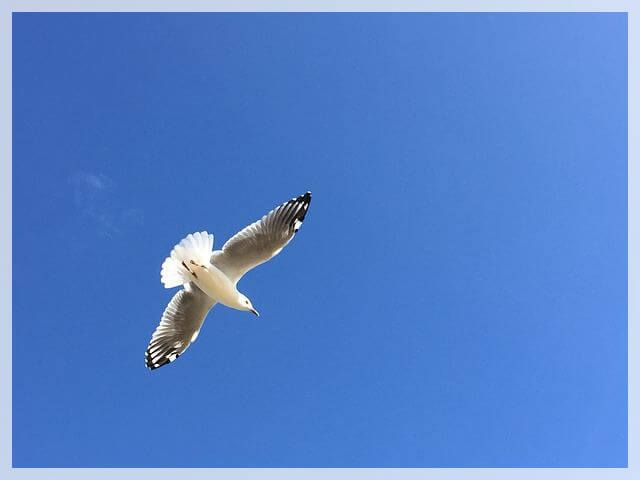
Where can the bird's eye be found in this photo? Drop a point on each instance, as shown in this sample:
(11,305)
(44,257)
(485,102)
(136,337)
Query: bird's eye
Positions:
(247,302)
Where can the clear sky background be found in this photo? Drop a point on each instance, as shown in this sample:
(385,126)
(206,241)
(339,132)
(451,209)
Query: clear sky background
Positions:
(457,296)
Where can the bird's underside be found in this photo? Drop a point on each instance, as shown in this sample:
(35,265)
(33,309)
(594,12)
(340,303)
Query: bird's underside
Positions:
(193,257)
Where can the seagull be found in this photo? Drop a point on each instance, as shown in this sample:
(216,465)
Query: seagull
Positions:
(209,277)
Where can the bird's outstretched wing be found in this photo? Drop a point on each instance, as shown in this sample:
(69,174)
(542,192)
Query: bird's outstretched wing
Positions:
(262,240)
(179,327)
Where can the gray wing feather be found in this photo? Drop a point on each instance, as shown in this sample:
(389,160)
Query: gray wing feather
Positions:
(262,240)
(180,323)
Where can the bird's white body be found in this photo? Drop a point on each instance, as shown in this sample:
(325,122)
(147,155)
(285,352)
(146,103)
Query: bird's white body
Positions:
(190,262)
(216,284)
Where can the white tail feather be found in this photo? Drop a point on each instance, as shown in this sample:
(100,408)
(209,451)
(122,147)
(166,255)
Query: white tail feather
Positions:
(195,246)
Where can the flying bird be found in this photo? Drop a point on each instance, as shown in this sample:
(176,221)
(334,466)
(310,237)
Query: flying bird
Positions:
(209,277)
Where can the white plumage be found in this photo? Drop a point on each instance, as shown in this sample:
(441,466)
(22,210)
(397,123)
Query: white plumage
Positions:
(197,247)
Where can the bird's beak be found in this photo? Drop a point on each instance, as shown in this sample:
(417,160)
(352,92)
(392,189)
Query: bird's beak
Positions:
(255,312)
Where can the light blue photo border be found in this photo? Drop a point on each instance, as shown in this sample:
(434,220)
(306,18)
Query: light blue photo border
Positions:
(6,10)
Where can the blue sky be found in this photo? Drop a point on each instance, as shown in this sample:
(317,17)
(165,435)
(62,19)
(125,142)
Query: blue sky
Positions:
(457,296)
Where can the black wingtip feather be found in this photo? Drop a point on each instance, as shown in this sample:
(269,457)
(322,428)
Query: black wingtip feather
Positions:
(147,361)
(298,218)
(152,366)
(305,199)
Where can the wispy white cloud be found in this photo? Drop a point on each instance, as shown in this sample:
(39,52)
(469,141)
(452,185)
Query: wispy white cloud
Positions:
(92,180)
(96,200)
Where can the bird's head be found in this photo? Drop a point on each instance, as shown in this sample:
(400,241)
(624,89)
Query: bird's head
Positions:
(245,304)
